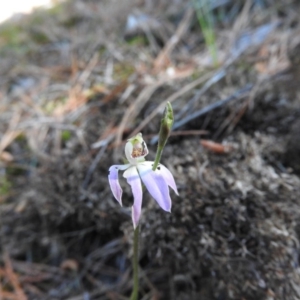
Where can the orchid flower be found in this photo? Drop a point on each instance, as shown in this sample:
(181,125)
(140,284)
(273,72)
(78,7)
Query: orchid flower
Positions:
(138,169)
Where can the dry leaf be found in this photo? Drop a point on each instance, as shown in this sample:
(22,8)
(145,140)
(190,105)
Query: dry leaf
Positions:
(216,147)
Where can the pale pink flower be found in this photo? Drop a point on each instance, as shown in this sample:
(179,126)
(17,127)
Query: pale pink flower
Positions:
(139,170)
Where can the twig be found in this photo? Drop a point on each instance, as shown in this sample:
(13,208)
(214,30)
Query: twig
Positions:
(88,70)
(11,133)
(235,117)
(173,41)
(241,21)
(234,55)
(231,120)
(205,110)
(13,278)
(171,99)
(189,132)
(214,79)
(7,296)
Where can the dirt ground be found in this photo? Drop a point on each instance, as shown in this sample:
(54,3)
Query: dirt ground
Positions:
(78,79)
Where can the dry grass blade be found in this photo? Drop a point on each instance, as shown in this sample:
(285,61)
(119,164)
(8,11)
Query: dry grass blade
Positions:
(11,133)
(163,57)
(13,278)
(8,138)
(88,70)
(7,295)
(241,21)
(117,90)
(188,132)
(76,99)
(171,99)
(237,95)
(76,94)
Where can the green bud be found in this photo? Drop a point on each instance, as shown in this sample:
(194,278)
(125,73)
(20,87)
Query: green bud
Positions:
(166,126)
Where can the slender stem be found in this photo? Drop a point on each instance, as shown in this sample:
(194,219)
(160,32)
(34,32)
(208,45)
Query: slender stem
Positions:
(157,158)
(135,265)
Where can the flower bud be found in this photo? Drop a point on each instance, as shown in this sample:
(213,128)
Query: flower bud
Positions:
(165,126)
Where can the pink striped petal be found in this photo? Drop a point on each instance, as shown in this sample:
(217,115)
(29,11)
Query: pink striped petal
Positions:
(134,180)
(155,184)
(114,181)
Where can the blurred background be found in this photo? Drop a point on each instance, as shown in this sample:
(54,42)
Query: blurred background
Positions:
(77,78)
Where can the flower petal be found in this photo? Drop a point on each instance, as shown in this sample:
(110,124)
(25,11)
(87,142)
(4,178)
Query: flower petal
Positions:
(114,181)
(168,177)
(128,153)
(155,184)
(134,180)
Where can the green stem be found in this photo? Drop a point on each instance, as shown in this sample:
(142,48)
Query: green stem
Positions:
(157,158)
(135,265)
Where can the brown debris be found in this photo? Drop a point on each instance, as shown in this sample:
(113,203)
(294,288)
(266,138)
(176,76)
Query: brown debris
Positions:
(216,147)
